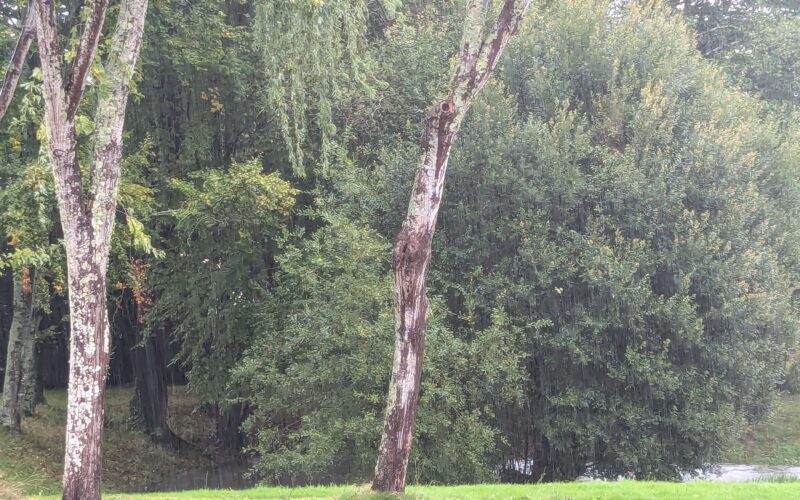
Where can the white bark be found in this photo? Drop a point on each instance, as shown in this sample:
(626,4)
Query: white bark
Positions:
(87,218)
(477,59)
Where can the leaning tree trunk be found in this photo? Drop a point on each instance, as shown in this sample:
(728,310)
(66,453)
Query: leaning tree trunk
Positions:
(19,386)
(477,58)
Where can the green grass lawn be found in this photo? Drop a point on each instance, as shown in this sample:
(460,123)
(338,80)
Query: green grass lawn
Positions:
(628,490)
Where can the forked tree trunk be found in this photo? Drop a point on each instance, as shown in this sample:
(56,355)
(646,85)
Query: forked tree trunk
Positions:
(477,58)
(87,212)
(19,386)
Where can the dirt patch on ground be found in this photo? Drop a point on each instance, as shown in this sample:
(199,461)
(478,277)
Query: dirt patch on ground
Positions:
(7,490)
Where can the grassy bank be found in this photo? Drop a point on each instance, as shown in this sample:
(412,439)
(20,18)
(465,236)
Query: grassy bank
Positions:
(627,490)
(774,442)
(31,461)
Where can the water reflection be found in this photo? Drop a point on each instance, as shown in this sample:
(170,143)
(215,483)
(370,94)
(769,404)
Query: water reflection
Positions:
(736,473)
(235,476)
(230,476)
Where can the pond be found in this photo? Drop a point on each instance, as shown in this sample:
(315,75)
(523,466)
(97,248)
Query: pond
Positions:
(228,476)
(735,473)
(235,476)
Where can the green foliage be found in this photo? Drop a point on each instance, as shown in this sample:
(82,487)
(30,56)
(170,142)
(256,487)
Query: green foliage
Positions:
(227,227)
(775,441)
(28,217)
(615,269)
(756,41)
(316,374)
(619,195)
(612,274)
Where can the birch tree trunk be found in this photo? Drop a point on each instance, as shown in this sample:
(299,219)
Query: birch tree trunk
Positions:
(19,386)
(87,214)
(477,58)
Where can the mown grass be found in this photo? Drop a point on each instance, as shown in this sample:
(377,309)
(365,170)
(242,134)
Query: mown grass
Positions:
(773,442)
(627,490)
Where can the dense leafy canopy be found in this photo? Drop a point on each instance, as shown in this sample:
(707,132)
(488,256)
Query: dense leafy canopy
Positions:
(614,278)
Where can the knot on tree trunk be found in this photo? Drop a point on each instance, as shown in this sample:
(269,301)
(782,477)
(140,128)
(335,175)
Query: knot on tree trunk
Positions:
(410,252)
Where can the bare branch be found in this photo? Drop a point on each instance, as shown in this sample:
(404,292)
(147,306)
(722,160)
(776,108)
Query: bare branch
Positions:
(90,37)
(477,64)
(507,24)
(17,61)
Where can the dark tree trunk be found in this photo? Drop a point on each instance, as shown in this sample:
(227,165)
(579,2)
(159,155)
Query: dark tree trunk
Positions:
(6,316)
(54,350)
(229,423)
(477,58)
(151,395)
(149,353)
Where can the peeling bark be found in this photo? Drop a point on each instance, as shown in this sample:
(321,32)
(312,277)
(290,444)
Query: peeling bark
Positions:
(88,362)
(477,58)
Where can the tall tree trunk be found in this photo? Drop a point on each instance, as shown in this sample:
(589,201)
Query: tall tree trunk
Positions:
(87,214)
(90,343)
(6,312)
(151,397)
(19,386)
(477,58)
(30,394)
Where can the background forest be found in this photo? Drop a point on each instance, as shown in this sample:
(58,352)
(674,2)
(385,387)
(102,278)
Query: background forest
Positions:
(614,279)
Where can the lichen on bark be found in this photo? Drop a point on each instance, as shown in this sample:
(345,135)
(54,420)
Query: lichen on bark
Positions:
(477,58)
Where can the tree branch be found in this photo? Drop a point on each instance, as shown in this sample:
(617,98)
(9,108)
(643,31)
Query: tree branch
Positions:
(61,140)
(479,61)
(84,55)
(110,115)
(49,54)
(17,61)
